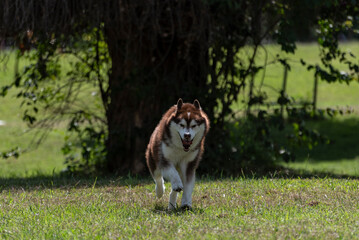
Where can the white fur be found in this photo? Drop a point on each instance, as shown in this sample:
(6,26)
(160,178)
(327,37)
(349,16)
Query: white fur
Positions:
(176,154)
(170,173)
(188,186)
(172,204)
(160,184)
(187,193)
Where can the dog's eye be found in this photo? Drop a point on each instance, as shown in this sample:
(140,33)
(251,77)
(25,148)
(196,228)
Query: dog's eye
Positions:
(182,125)
(193,126)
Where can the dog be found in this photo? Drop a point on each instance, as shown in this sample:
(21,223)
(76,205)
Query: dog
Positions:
(175,149)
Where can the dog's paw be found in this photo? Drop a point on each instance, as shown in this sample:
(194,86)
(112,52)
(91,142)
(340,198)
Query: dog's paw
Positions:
(177,187)
(186,208)
(171,206)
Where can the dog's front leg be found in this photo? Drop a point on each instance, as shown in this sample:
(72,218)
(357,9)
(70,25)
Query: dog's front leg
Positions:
(172,204)
(188,177)
(170,173)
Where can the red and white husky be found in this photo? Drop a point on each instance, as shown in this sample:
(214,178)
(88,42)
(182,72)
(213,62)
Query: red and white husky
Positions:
(175,149)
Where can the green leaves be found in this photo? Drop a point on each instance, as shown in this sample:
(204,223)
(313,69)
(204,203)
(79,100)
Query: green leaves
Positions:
(59,85)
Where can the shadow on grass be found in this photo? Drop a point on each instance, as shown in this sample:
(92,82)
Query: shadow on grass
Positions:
(160,209)
(305,174)
(344,135)
(45,182)
(279,173)
(55,182)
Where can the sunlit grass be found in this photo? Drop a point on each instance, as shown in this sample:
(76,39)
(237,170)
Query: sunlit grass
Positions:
(222,209)
(300,83)
(342,167)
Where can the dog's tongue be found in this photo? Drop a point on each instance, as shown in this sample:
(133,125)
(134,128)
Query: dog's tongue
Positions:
(186,144)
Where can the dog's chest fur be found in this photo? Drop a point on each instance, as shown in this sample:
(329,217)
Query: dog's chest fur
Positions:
(176,155)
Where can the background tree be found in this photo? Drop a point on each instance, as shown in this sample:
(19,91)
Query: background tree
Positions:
(143,55)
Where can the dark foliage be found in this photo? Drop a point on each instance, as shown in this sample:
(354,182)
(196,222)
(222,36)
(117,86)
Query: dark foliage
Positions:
(139,57)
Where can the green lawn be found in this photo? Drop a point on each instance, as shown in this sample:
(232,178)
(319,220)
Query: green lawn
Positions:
(223,209)
(43,159)
(300,82)
(341,157)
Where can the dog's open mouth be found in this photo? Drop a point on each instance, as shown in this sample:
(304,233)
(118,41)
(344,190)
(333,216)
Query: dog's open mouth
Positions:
(186,144)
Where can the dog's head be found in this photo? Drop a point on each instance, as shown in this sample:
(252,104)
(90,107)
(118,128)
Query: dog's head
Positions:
(189,125)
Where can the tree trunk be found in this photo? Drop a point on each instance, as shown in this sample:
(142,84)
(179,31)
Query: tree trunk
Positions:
(148,76)
(125,141)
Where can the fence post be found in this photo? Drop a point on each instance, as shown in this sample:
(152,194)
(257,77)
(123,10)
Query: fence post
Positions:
(251,85)
(315,92)
(284,87)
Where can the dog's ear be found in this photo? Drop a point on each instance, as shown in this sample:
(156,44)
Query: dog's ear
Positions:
(196,104)
(179,104)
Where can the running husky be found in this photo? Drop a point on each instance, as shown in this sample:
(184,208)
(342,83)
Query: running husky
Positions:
(175,149)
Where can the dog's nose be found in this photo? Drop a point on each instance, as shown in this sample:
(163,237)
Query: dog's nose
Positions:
(187,135)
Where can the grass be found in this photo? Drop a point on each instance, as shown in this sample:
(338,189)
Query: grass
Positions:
(226,209)
(342,156)
(37,160)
